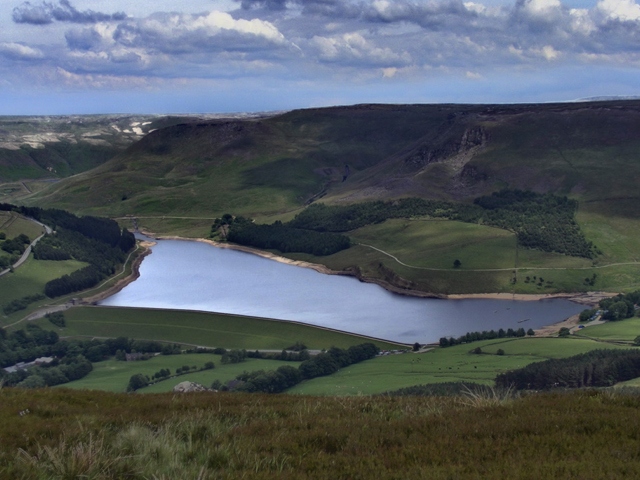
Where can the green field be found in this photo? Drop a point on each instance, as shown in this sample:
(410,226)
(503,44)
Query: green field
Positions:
(623,330)
(202,329)
(13,225)
(113,375)
(425,250)
(452,364)
(30,279)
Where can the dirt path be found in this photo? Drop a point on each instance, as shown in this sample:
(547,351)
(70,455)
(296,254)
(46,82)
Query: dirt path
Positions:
(494,269)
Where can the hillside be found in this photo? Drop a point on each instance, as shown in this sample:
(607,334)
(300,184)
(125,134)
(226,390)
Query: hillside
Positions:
(38,150)
(178,179)
(64,434)
(271,165)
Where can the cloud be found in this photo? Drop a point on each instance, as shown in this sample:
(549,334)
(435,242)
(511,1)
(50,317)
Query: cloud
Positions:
(45,13)
(623,10)
(351,39)
(215,31)
(351,48)
(18,51)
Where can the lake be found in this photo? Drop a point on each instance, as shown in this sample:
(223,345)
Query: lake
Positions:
(193,275)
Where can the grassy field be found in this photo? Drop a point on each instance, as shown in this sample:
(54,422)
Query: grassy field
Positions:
(624,330)
(31,277)
(428,248)
(452,364)
(13,225)
(113,375)
(203,329)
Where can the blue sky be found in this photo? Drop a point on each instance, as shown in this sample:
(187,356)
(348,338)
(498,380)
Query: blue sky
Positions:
(162,56)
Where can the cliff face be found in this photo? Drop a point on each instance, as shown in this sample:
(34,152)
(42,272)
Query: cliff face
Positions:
(444,149)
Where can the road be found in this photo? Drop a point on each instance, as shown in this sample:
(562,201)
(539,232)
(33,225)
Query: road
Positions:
(27,251)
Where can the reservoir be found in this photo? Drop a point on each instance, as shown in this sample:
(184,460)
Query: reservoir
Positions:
(193,275)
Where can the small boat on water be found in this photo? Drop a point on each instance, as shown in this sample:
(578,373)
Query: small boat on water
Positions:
(525,320)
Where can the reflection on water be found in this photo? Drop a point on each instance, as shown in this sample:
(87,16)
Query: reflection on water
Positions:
(197,276)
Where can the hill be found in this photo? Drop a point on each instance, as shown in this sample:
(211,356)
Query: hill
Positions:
(178,179)
(272,165)
(36,151)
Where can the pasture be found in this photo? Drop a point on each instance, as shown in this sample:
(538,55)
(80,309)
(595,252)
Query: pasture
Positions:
(451,364)
(202,329)
(12,225)
(113,375)
(30,279)
(621,331)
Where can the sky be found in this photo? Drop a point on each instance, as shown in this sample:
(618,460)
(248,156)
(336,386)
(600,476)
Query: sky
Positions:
(222,56)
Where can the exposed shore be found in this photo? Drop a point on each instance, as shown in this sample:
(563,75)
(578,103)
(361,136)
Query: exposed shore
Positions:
(584,298)
(123,282)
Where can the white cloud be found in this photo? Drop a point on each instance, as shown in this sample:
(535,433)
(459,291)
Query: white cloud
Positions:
(541,7)
(581,21)
(354,46)
(389,72)
(624,10)
(549,52)
(19,51)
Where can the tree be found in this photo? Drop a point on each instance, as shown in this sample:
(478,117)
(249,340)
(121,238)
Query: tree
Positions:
(500,352)
(416,346)
(587,314)
(530,332)
(564,332)
(457,263)
(137,381)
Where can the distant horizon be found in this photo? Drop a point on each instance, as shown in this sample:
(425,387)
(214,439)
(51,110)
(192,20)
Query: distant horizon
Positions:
(78,57)
(258,113)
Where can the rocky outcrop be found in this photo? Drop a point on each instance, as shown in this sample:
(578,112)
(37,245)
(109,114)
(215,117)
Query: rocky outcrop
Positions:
(440,151)
(185,387)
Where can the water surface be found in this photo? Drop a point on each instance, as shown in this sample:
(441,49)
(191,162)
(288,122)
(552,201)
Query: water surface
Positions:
(197,276)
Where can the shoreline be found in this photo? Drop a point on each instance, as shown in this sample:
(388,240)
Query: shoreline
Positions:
(123,282)
(583,298)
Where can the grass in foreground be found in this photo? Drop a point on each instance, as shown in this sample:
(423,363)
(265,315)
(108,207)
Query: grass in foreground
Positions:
(202,329)
(67,434)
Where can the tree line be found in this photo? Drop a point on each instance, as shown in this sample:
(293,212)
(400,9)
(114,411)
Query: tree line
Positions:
(470,337)
(72,358)
(540,221)
(286,239)
(598,368)
(325,363)
(614,308)
(94,240)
